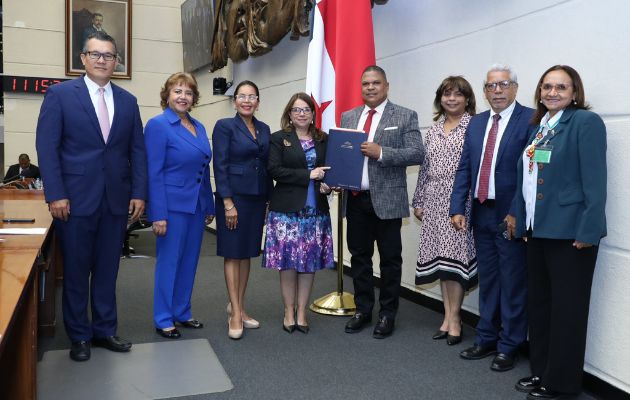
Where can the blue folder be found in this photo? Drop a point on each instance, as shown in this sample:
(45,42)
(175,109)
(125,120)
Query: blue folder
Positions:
(344,157)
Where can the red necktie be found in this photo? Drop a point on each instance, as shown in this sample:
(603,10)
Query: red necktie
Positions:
(366,128)
(368,121)
(486,164)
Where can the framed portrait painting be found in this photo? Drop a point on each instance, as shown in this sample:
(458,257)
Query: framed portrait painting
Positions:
(84,17)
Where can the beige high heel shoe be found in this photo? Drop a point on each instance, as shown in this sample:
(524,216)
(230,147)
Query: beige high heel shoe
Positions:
(234,333)
(247,323)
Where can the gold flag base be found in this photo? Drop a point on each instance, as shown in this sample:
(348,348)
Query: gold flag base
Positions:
(340,304)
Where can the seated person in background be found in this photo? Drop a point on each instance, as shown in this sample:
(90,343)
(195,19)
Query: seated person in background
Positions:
(24,169)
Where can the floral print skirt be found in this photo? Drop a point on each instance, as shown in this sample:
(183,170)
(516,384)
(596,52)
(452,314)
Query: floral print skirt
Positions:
(300,241)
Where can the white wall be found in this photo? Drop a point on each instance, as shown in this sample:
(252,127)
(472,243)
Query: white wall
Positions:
(418,43)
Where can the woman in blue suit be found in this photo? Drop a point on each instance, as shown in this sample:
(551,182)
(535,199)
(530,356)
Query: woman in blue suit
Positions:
(180,201)
(560,210)
(241,151)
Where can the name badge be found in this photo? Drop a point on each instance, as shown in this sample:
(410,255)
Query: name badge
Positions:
(542,154)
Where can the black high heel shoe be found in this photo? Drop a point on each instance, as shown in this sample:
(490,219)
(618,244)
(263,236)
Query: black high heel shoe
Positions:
(440,334)
(191,323)
(302,328)
(452,340)
(169,334)
(288,328)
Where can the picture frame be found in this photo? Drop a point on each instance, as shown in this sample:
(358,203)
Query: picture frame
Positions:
(197,29)
(86,16)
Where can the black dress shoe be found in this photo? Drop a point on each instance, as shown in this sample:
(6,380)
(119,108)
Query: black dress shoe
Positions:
(191,323)
(358,322)
(170,334)
(478,352)
(113,343)
(542,392)
(80,351)
(503,362)
(384,327)
(452,340)
(302,328)
(528,384)
(439,335)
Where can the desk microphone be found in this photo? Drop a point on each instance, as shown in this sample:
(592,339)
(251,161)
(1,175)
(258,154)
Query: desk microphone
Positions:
(12,179)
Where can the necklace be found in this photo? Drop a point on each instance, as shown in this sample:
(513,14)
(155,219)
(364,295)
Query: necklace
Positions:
(189,126)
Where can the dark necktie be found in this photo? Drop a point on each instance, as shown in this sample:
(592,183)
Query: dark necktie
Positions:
(486,164)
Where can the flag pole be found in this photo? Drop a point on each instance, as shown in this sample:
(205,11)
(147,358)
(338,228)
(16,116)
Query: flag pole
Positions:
(338,303)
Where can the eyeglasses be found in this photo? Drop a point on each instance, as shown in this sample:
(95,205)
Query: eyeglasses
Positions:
(298,110)
(492,86)
(560,87)
(243,97)
(95,55)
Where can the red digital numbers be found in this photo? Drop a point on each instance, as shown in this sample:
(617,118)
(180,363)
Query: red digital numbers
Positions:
(23,84)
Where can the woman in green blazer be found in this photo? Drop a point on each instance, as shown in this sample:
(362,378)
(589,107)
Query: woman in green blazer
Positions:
(560,210)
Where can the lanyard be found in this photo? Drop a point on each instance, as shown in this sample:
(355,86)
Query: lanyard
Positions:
(531,149)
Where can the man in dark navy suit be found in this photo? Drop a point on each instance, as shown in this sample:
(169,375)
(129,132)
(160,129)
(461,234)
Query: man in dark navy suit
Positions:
(93,162)
(494,142)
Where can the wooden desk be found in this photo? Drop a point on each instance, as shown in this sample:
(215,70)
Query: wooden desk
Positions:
(21,194)
(26,287)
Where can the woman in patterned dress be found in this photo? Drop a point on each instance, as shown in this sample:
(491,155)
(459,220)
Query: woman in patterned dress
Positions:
(299,232)
(444,253)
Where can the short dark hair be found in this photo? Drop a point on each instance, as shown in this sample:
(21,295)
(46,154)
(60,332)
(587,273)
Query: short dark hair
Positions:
(375,68)
(457,83)
(285,121)
(578,88)
(24,156)
(246,83)
(179,78)
(102,36)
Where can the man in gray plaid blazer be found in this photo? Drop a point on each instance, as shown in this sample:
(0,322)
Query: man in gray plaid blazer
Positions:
(376,212)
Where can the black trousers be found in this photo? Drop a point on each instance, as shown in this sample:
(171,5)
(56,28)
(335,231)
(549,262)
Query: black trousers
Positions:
(560,278)
(365,227)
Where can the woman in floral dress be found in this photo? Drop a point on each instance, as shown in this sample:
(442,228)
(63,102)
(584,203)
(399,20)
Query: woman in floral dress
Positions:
(299,232)
(443,252)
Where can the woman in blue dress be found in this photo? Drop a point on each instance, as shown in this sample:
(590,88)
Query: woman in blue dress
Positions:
(241,150)
(299,233)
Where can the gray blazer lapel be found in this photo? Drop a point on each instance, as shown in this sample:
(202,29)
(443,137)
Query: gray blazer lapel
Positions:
(386,118)
(355,116)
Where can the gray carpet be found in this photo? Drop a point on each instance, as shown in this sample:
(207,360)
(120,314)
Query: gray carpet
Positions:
(268,363)
(138,375)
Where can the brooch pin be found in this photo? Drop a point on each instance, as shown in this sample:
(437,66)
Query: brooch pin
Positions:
(286,143)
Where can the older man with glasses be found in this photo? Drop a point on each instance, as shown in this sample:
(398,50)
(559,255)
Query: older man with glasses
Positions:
(495,140)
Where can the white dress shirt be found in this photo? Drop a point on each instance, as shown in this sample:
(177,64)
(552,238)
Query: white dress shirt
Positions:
(530,181)
(376,119)
(109,97)
(503,122)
